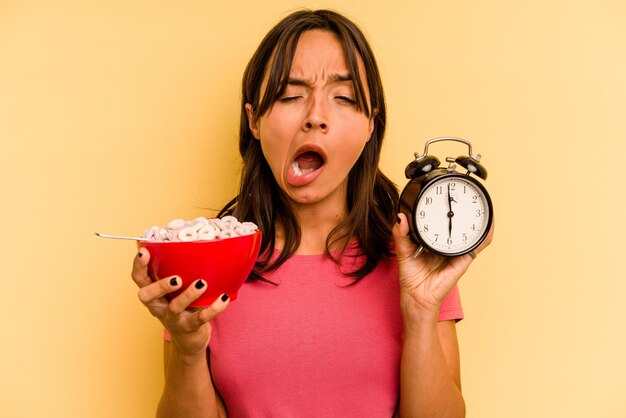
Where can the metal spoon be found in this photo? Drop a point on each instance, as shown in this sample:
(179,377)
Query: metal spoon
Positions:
(120,237)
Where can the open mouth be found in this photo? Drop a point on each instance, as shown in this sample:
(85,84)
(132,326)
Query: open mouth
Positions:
(306,163)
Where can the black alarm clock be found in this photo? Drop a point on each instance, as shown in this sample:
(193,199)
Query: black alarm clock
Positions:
(449,212)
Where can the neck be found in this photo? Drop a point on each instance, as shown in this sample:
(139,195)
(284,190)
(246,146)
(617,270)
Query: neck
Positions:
(315,226)
(316,222)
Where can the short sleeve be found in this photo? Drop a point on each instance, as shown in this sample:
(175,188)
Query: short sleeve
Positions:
(451,308)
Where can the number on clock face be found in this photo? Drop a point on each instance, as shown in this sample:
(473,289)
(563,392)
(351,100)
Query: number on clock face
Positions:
(451,215)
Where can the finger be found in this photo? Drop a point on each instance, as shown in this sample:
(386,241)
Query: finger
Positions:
(182,301)
(159,289)
(204,315)
(140,268)
(450,276)
(404,246)
(488,238)
(459,265)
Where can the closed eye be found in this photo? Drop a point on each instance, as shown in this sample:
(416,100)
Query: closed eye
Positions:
(346,99)
(287,99)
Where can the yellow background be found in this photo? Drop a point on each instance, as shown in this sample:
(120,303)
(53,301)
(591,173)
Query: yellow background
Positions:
(117,115)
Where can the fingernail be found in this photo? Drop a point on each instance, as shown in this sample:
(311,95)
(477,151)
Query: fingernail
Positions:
(199,284)
(224,297)
(139,254)
(173,281)
(397,219)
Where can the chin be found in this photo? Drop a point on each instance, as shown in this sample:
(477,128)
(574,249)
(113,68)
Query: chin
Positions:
(304,199)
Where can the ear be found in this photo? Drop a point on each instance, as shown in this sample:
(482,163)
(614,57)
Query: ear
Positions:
(253,122)
(371,127)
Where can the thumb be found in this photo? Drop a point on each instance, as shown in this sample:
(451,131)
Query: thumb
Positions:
(400,231)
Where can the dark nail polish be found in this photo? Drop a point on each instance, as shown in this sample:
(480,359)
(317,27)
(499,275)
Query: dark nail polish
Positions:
(199,284)
(139,254)
(173,281)
(224,297)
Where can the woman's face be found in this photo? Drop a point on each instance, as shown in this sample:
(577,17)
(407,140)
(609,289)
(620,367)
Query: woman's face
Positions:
(313,134)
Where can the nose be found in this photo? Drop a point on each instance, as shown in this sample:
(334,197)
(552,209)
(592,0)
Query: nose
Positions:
(316,117)
(312,124)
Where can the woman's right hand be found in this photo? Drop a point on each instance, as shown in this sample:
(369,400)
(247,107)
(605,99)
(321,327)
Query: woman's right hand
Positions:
(189,327)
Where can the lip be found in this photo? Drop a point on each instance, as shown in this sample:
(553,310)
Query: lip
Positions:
(305,179)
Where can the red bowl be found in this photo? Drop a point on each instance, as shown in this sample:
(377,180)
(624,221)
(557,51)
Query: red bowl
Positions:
(224,264)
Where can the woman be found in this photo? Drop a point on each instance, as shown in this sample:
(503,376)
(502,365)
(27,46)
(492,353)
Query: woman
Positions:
(338,317)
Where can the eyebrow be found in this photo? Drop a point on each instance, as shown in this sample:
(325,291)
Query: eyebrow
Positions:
(306,83)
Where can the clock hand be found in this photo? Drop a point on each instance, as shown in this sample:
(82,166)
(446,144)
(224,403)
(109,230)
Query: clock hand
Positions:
(450,213)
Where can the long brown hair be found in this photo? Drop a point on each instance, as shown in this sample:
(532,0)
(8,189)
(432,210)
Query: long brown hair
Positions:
(371,197)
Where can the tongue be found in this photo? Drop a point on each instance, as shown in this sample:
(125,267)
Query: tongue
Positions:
(309,161)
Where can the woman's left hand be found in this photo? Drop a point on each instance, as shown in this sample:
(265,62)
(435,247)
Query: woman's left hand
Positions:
(426,280)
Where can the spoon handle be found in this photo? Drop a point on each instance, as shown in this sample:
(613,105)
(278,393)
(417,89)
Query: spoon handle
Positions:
(120,237)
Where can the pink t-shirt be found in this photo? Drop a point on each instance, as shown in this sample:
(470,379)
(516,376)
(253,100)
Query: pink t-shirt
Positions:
(313,346)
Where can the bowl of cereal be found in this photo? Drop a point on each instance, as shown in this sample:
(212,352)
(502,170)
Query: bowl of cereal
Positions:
(220,251)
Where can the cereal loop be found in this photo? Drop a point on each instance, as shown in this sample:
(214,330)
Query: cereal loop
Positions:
(200,228)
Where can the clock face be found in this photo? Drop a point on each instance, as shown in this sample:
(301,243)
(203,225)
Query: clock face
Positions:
(452,215)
